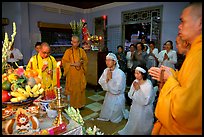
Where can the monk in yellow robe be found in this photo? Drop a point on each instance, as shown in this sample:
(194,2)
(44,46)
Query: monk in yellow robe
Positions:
(179,106)
(75,63)
(46,66)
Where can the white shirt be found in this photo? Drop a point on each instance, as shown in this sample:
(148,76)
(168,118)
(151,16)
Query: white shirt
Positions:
(172,58)
(129,59)
(155,52)
(151,61)
(17,55)
(114,101)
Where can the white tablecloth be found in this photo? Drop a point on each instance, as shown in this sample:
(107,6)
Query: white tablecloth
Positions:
(73,128)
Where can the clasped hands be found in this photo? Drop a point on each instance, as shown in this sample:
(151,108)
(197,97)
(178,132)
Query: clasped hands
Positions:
(155,72)
(109,75)
(136,85)
(78,64)
(166,57)
(11,55)
(49,71)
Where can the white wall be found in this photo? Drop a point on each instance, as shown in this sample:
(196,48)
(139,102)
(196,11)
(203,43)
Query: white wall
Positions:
(170,18)
(27,14)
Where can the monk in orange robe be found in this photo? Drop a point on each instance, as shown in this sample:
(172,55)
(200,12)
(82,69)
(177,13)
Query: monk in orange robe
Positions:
(75,63)
(179,106)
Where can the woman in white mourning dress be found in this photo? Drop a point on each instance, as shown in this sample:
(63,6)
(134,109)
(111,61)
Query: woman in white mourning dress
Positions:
(113,80)
(141,116)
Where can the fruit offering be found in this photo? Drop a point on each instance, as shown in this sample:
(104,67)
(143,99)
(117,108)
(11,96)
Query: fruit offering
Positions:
(19,85)
(5,96)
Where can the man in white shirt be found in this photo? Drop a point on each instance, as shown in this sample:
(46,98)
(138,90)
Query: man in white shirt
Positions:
(15,56)
(113,80)
(129,58)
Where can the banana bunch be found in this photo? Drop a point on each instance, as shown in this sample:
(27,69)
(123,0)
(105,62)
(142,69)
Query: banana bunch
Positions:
(22,94)
(35,91)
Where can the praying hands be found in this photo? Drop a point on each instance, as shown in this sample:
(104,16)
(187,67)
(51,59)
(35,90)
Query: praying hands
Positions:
(155,72)
(109,75)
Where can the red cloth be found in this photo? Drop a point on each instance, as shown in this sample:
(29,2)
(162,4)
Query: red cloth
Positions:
(85,33)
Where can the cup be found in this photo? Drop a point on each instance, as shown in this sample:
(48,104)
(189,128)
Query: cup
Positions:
(51,113)
(44,105)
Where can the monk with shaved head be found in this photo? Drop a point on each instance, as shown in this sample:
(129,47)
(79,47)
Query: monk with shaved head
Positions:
(179,106)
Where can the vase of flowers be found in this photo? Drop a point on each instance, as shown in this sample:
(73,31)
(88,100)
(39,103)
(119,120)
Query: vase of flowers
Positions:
(6,48)
(76,27)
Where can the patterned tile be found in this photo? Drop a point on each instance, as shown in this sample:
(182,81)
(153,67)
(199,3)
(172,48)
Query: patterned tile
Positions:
(93,115)
(96,97)
(94,106)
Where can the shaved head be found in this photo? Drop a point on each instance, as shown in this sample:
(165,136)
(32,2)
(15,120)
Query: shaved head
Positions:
(190,26)
(44,50)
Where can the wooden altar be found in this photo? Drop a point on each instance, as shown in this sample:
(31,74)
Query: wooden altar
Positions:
(96,66)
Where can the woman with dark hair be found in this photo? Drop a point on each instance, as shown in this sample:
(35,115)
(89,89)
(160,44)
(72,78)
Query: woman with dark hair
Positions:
(141,116)
(121,58)
(140,56)
(168,57)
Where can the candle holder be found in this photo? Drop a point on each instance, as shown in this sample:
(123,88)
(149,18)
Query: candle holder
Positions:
(59,104)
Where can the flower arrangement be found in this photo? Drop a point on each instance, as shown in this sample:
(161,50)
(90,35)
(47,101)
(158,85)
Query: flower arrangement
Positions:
(94,131)
(75,115)
(95,40)
(76,27)
(7,46)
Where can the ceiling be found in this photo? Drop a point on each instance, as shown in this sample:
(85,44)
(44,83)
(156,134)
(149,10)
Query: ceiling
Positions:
(83,5)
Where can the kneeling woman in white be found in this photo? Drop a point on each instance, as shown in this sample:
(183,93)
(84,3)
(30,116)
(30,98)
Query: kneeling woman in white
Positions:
(113,80)
(141,115)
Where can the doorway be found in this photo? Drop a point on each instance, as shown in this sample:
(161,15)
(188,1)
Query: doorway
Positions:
(142,23)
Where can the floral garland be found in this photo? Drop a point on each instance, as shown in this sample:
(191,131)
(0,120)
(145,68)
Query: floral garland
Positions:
(76,27)
(7,46)
(75,115)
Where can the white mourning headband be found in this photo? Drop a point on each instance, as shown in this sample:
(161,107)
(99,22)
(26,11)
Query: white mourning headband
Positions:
(140,69)
(113,57)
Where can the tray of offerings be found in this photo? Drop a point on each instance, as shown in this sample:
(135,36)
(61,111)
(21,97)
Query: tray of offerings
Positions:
(20,103)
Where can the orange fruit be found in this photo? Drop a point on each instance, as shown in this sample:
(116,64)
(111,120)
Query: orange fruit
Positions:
(42,85)
(35,73)
(28,73)
(37,80)
(31,81)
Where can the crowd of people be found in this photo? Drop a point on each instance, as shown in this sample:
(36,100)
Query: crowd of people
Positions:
(179,106)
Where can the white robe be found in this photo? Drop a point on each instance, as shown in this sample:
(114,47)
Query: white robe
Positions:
(114,101)
(141,117)
(17,55)
(129,59)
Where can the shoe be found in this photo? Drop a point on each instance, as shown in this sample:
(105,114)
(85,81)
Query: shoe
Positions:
(102,119)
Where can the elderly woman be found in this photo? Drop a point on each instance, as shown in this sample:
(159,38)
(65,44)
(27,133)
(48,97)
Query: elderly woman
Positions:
(141,114)
(113,80)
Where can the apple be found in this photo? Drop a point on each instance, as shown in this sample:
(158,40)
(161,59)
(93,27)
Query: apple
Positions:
(6,96)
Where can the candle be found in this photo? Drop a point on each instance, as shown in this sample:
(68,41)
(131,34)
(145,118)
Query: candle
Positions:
(58,74)
(31,63)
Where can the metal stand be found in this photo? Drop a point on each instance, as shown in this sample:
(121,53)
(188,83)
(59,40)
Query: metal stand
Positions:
(59,104)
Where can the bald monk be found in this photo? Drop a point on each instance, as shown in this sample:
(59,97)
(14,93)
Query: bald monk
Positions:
(179,106)
(75,63)
(46,66)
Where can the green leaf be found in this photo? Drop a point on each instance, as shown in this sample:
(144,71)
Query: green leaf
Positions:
(20,80)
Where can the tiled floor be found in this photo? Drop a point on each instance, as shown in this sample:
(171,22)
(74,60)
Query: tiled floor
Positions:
(91,111)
